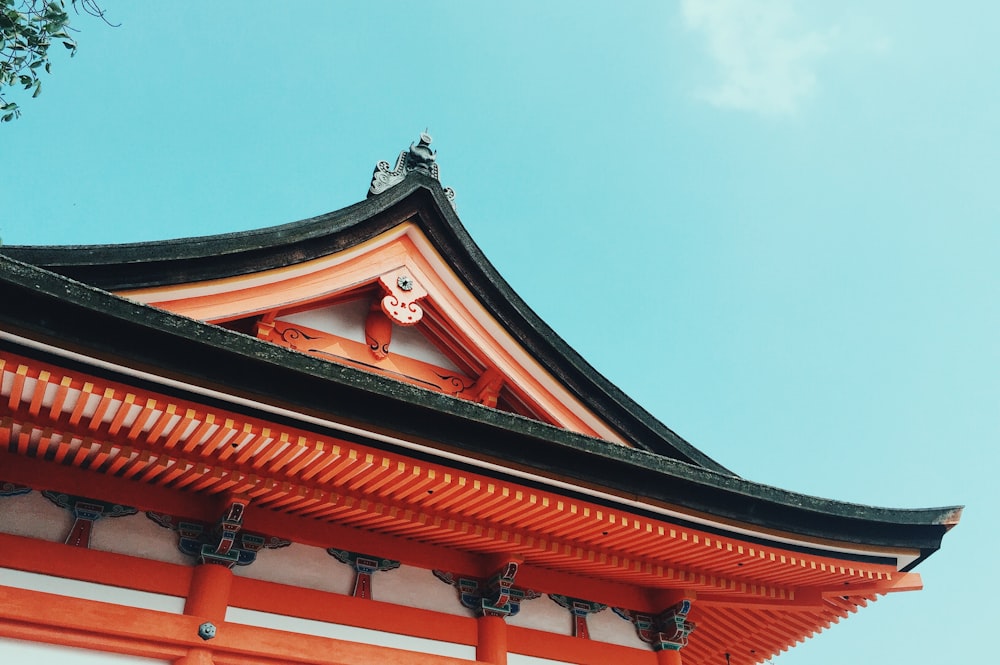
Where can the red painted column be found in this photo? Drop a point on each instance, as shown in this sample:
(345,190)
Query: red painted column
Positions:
(668,657)
(492,644)
(196,657)
(208,596)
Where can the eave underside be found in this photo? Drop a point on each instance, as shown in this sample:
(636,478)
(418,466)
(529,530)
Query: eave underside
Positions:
(65,429)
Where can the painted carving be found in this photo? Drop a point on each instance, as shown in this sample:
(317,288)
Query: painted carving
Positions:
(8,488)
(496,596)
(666,631)
(224,543)
(402,294)
(353,353)
(579,609)
(364,567)
(85,513)
(378,331)
(486,389)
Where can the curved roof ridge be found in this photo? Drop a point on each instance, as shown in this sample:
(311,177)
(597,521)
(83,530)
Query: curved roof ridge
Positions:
(418,197)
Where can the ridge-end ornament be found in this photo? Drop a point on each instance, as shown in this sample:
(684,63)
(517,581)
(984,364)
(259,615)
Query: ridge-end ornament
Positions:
(420,158)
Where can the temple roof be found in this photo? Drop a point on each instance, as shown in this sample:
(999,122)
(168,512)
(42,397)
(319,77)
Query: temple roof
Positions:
(420,199)
(62,297)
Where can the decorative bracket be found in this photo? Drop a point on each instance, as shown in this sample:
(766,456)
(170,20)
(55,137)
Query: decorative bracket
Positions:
(403,292)
(579,609)
(398,306)
(418,159)
(224,543)
(496,596)
(378,331)
(667,631)
(85,513)
(364,566)
(486,389)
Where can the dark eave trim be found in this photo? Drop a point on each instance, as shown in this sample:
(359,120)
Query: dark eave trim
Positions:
(52,309)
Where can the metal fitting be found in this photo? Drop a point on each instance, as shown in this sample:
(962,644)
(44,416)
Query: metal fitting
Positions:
(206,631)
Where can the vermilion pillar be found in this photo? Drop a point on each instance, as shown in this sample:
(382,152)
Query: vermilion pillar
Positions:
(668,657)
(196,657)
(492,644)
(208,596)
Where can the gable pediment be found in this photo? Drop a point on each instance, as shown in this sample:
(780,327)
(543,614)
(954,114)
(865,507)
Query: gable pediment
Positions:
(470,314)
(391,305)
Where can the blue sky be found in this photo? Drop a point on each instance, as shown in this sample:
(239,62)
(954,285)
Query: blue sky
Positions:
(774,224)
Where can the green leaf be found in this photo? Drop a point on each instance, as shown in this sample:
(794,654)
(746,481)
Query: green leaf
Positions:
(69,45)
(7,117)
(38,90)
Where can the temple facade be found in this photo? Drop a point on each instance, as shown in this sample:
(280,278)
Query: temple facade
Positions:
(346,440)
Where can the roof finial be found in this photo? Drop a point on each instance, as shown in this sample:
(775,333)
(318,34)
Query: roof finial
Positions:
(420,158)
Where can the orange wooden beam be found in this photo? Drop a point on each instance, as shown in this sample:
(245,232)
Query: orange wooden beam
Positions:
(292,601)
(573,649)
(48,558)
(55,619)
(27,614)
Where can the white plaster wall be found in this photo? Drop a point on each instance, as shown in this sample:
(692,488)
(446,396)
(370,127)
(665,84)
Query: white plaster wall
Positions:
(345,320)
(417,587)
(312,568)
(606,626)
(139,536)
(340,632)
(34,516)
(543,614)
(37,653)
(301,566)
(91,591)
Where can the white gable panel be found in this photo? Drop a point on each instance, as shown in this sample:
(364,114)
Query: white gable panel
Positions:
(347,320)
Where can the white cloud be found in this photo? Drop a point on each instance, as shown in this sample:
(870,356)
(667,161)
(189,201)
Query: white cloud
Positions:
(766,59)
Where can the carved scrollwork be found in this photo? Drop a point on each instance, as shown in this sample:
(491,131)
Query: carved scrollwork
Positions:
(400,304)
(291,337)
(420,158)
(378,331)
(384,177)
